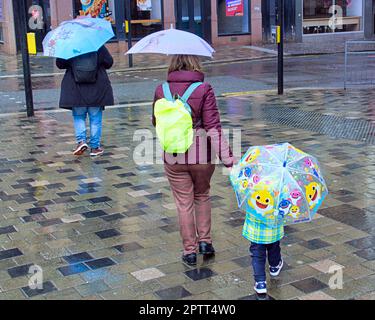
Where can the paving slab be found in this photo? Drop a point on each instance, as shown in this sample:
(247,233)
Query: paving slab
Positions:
(107,228)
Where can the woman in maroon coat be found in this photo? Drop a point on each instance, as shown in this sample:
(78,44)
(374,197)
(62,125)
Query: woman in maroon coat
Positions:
(189,174)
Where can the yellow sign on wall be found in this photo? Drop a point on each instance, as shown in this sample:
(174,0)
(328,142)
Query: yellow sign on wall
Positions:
(31,42)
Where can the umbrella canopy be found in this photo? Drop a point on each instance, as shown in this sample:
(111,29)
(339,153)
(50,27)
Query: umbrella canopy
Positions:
(279,184)
(76,37)
(171,42)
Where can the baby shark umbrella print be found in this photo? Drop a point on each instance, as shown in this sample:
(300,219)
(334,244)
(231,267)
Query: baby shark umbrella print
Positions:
(278,184)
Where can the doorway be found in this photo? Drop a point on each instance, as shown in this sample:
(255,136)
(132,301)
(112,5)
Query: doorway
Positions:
(194,16)
(292,22)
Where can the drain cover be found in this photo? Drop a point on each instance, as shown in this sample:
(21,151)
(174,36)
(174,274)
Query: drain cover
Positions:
(330,125)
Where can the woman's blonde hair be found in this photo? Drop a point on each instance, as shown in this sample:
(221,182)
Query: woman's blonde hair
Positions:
(185,62)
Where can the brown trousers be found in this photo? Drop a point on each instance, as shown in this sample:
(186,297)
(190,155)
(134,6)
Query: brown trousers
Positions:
(190,185)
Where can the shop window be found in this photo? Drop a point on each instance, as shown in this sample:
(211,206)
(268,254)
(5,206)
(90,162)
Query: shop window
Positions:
(328,16)
(104,9)
(233,17)
(38,20)
(1,34)
(96,8)
(146,17)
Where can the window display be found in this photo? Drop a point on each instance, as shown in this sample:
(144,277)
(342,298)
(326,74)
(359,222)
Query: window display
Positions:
(146,17)
(96,8)
(327,16)
(233,17)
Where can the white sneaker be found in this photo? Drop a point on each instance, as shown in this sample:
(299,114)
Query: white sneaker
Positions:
(275,271)
(260,287)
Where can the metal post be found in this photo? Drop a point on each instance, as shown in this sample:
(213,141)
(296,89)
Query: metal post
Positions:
(128,28)
(346,64)
(280,46)
(20,21)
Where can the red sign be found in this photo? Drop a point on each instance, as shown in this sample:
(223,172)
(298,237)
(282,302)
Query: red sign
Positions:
(234,8)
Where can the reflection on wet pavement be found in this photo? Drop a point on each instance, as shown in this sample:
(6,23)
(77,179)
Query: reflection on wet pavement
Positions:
(106,228)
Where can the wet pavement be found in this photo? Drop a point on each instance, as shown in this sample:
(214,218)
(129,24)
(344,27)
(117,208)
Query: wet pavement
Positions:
(313,44)
(307,72)
(11,65)
(106,228)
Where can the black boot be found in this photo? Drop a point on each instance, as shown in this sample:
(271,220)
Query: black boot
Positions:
(190,259)
(206,248)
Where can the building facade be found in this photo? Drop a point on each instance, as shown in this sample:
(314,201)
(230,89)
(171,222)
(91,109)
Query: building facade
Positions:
(218,21)
(306,19)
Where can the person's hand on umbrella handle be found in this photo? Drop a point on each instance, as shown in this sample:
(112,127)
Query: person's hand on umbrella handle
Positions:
(227,171)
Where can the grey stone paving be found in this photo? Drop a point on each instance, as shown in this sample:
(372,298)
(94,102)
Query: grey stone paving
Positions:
(106,228)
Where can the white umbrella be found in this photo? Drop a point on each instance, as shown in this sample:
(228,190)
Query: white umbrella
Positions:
(171,42)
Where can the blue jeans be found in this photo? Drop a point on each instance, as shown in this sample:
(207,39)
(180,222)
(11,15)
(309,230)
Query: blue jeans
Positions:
(259,254)
(95,116)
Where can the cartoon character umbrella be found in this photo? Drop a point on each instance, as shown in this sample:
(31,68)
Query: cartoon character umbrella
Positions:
(76,37)
(279,184)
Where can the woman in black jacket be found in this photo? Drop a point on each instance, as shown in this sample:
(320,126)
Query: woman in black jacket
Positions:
(87,98)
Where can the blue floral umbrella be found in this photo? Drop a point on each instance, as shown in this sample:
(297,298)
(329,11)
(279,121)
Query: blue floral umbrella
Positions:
(76,37)
(279,184)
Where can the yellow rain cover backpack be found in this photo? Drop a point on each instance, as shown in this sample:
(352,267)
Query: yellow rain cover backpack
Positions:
(174,124)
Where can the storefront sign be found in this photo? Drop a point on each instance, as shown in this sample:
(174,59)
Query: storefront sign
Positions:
(96,8)
(1,10)
(234,8)
(144,5)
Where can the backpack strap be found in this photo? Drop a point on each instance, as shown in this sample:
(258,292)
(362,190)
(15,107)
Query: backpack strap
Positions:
(167,92)
(190,91)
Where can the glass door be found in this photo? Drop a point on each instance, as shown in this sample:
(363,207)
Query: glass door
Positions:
(194,16)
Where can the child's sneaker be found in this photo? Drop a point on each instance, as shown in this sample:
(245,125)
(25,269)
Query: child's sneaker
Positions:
(275,271)
(260,287)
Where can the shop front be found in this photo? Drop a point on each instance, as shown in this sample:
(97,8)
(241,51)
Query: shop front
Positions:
(306,19)
(332,16)
(146,15)
(220,22)
(236,22)
(39,20)
(217,21)
(233,18)
(194,16)
(292,20)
